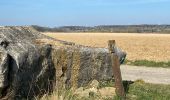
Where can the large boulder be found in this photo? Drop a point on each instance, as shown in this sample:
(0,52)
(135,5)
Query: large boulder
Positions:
(4,63)
(24,65)
(32,64)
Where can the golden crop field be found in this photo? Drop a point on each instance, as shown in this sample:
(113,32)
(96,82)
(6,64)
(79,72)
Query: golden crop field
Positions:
(152,47)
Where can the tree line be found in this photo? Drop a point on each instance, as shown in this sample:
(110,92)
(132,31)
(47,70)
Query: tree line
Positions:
(108,28)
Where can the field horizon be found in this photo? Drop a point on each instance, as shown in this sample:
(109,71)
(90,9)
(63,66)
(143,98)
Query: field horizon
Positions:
(152,47)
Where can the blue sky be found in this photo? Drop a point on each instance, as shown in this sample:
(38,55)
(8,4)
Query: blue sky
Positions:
(84,12)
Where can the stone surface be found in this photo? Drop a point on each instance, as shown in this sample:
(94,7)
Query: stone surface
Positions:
(94,84)
(4,63)
(80,92)
(26,68)
(105,92)
(33,64)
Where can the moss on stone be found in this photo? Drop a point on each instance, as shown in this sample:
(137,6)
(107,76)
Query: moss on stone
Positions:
(75,68)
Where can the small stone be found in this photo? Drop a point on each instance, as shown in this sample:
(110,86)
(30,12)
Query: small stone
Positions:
(107,91)
(94,84)
(85,93)
(79,90)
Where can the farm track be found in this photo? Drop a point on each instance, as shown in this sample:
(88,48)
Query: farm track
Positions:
(147,74)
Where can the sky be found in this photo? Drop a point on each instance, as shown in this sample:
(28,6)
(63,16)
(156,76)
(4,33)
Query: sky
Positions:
(54,13)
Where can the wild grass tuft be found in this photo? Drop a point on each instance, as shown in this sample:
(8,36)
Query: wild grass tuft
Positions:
(146,91)
(148,63)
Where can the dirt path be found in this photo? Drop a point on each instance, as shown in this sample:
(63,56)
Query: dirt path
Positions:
(148,74)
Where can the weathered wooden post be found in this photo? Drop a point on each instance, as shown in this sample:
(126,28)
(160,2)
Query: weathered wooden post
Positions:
(116,69)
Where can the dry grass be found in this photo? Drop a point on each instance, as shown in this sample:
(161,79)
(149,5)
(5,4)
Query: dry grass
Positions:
(47,41)
(153,47)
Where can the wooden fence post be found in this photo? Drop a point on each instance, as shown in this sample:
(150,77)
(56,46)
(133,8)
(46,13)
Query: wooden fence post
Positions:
(116,69)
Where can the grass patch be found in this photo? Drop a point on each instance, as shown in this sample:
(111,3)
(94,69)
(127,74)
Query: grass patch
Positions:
(62,94)
(146,91)
(138,90)
(148,63)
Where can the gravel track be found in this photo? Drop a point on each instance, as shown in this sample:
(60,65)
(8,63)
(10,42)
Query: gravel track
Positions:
(148,74)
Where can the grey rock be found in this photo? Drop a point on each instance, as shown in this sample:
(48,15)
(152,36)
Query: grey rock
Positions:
(4,63)
(106,92)
(33,64)
(94,84)
(80,92)
(26,68)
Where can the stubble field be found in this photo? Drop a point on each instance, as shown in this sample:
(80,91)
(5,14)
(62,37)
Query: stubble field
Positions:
(152,47)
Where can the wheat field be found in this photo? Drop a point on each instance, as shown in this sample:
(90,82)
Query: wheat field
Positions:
(152,47)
